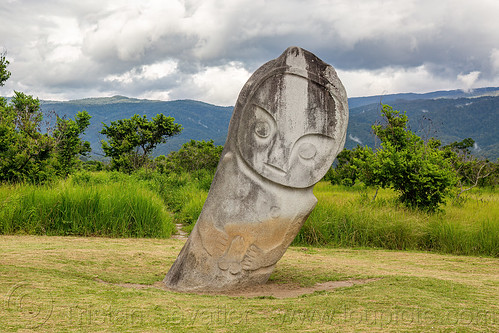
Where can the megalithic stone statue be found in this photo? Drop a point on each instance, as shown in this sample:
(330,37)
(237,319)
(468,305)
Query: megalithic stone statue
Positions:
(288,125)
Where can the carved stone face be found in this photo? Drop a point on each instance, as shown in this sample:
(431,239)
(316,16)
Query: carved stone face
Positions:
(286,130)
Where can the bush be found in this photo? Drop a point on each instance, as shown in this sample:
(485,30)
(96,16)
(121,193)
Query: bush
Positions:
(193,156)
(417,170)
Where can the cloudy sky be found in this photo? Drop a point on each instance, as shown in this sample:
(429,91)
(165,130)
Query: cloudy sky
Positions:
(207,49)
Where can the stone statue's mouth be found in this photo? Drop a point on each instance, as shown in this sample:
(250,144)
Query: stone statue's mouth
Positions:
(275,169)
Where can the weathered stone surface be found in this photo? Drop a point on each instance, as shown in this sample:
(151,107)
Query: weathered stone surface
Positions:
(288,125)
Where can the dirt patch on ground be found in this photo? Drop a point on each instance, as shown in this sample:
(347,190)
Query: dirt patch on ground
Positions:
(276,290)
(288,290)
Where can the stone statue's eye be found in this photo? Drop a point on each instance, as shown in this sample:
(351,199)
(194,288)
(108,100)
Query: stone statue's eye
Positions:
(307,151)
(262,129)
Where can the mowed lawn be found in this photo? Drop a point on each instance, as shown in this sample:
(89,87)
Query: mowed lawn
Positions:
(106,284)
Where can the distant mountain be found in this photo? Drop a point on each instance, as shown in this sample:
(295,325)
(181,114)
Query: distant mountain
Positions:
(200,121)
(448,119)
(390,98)
(447,115)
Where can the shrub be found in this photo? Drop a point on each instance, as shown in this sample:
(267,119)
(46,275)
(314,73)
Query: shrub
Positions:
(193,156)
(417,170)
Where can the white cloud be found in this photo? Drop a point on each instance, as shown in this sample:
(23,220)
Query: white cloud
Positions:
(391,80)
(494,58)
(221,85)
(63,30)
(156,95)
(64,54)
(354,139)
(159,70)
(146,72)
(468,79)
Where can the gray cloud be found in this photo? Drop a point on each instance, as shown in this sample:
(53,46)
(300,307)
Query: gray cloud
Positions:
(72,50)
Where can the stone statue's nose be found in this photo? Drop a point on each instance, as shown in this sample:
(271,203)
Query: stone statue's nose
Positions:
(278,157)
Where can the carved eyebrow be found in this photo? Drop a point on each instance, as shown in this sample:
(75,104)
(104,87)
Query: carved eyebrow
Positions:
(308,136)
(264,109)
(312,134)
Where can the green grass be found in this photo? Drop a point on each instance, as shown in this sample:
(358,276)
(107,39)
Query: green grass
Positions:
(148,204)
(68,284)
(79,207)
(183,194)
(144,204)
(347,217)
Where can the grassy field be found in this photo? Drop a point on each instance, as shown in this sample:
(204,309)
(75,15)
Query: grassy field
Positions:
(148,204)
(103,284)
(348,217)
(104,205)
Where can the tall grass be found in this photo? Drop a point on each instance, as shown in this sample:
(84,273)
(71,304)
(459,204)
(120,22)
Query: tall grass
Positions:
(82,207)
(347,217)
(148,204)
(184,194)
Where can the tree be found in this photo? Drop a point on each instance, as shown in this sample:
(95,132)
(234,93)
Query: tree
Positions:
(25,152)
(131,141)
(354,165)
(461,147)
(417,170)
(194,155)
(4,73)
(470,171)
(68,145)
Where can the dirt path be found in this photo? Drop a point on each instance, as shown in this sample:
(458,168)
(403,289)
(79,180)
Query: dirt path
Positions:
(181,234)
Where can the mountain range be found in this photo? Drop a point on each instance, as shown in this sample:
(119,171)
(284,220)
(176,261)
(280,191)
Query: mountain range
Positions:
(447,115)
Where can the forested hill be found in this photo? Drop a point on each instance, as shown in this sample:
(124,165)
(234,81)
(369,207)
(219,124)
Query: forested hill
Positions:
(448,119)
(447,115)
(200,121)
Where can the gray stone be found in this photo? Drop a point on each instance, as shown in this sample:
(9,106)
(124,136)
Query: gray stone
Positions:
(288,125)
